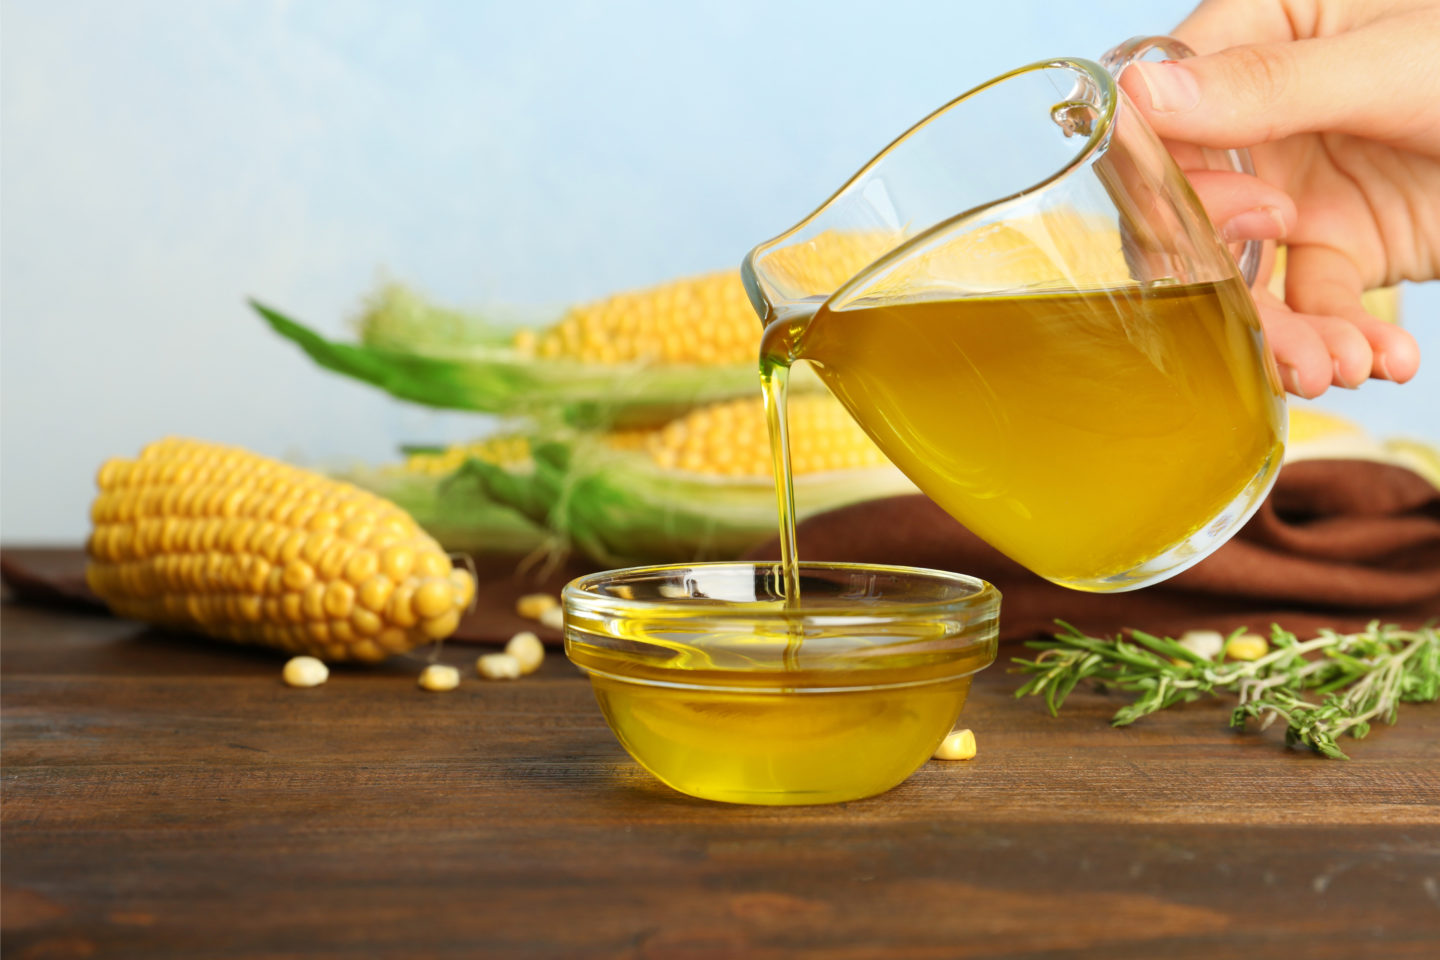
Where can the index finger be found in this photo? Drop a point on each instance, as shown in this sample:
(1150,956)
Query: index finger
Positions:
(1221,24)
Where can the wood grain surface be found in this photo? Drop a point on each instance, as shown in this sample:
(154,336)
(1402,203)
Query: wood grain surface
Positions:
(168,797)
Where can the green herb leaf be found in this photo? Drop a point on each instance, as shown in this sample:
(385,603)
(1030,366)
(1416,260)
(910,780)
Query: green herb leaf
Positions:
(1358,678)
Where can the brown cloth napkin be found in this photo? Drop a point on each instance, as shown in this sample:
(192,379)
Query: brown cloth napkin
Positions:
(1338,543)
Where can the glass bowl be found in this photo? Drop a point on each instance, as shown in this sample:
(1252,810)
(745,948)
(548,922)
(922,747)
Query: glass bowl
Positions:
(719,689)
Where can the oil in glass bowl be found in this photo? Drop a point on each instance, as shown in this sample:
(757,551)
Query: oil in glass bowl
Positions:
(723,691)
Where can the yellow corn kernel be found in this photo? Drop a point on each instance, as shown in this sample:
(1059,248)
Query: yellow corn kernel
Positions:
(442,626)
(721,326)
(198,536)
(290,609)
(432,564)
(366,650)
(532,605)
(323,521)
(1247,646)
(361,567)
(527,650)
(957,745)
(462,585)
(312,601)
(298,575)
(357,529)
(393,640)
(433,598)
(1204,643)
(438,677)
(375,592)
(305,672)
(365,622)
(401,607)
(397,561)
(250,607)
(498,666)
(290,549)
(333,560)
(315,546)
(339,598)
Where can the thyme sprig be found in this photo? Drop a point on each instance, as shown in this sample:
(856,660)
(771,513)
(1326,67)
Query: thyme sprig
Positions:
(1324,688)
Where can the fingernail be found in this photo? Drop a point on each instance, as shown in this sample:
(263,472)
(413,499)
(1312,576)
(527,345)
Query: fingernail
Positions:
(1262,223)
(1172,88)
(1340,380)
(1291,379)
(1383,365)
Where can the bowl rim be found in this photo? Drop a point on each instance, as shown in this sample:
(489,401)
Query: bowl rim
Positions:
(984,596)
(844,664)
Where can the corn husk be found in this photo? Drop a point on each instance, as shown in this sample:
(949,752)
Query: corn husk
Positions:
(618,508)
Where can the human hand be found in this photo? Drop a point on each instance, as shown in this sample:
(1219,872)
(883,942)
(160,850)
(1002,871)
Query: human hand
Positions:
(1339,103)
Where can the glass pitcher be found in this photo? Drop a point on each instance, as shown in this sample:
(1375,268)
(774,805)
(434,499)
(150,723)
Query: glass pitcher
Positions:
(1024,304)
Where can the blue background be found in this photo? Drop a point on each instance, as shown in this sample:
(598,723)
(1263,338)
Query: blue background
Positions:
(163,160)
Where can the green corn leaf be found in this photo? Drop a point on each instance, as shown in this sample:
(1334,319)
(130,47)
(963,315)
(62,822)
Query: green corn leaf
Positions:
(454,510)
(489,377)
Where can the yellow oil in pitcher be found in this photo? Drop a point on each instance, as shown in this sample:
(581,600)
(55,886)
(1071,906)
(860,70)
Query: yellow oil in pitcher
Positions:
(1060,427)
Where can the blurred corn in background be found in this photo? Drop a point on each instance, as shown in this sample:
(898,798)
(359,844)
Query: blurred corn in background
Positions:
(634,431)
(620,475)
(168,158)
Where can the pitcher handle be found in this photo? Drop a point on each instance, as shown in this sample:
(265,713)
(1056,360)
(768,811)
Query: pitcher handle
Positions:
(1121,56)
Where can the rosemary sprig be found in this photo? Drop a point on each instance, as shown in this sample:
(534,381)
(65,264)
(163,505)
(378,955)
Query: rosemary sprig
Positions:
(1325,688)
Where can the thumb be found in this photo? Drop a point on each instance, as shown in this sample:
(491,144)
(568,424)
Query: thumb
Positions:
(1351,83)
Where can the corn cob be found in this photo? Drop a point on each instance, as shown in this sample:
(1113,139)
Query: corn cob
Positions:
(210,538)
(820,265)
(703,321)
(698,487)
(511,451)
(1316,434)
(724,439)
(730,439)
(637,357)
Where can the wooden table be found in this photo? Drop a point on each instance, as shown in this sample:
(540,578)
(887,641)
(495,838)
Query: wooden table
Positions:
(168,797)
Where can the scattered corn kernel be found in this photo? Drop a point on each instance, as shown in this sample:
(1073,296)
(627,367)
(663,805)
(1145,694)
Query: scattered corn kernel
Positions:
(1247,646)
(527,649)
(498,666)
(957,745)
(532,605)
(1203,643)
(439,677)
(554,618)
(305,672)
